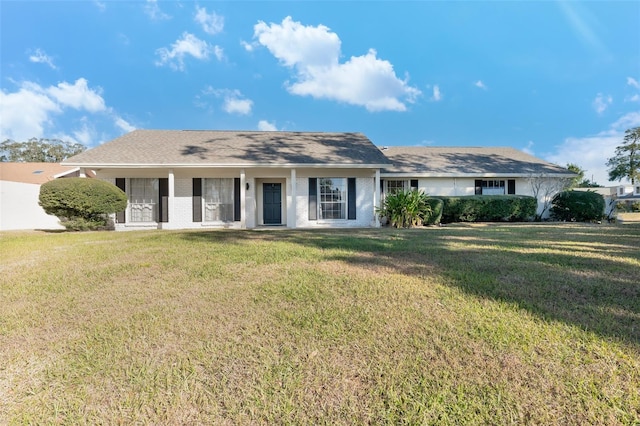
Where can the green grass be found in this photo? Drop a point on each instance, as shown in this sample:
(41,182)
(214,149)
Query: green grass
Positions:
(475,324)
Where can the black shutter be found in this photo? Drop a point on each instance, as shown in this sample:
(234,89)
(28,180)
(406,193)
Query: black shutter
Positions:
(414,183)
(478,187)
(381,185)
(351,198)
(511,186)
(236,199)
(120,216)
(313,198)
(196,199)
(163,192)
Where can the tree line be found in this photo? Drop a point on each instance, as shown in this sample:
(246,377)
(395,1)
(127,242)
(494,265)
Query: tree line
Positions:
(38,150)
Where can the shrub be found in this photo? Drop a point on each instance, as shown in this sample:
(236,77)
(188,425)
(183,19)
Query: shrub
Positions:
(406,209)
(436,206)
(577,206)
(489,208)
(82,203)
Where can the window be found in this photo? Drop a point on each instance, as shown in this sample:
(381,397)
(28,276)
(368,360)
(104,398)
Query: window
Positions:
(144,200)
(333,198)
(218,200)
(391,186)
(492,187)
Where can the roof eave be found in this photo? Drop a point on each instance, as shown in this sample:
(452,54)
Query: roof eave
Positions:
(224,166)
(470,175)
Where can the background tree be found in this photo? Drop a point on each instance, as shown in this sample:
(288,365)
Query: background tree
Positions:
(580,181)
(626,162)
(38,150)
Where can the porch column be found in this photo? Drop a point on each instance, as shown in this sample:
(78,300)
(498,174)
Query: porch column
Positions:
(172,194)
(243,196)
(376,199)
(82,172)
(292,210)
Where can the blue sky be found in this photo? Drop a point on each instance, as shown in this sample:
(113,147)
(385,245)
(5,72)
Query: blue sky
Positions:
(560,80)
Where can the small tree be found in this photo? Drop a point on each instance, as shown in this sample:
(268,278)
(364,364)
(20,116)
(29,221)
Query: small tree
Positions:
(406,209)
(626,162)
(580,181)
(544,187)
(82,203)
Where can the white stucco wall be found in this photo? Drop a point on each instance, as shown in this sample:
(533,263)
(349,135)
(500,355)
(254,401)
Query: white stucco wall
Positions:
(461,186)
(364,205)
(19,208)
(180,208)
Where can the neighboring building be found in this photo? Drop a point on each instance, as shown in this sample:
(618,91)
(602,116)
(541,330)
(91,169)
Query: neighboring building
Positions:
(19,192)
(627,193)
(196,179)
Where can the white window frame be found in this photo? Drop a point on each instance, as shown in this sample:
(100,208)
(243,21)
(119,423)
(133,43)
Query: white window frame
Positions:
(394,187)
(334,201)
(217,200)
(494,187)
(143,200)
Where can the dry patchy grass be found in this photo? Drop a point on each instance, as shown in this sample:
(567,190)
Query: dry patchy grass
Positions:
(493,324)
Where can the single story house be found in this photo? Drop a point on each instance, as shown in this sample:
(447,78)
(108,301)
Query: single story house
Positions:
(20,190)
(178,179)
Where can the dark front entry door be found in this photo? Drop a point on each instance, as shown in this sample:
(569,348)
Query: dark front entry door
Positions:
(272,203)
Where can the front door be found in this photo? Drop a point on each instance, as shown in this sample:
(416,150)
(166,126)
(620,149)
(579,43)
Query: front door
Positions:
(272,203)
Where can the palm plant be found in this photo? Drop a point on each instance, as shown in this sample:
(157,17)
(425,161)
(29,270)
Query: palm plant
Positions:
(405,209)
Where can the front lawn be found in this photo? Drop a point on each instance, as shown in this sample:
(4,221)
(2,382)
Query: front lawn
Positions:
(465,324)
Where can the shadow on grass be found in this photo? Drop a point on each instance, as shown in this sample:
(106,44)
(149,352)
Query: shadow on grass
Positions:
(588,276)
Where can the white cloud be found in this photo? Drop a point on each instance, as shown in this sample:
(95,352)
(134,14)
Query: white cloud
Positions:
(39,56)
(233,100)
(25,113)
(123,124)
(584,24)
(218,52)
(212,23)
(36,111)
(249,47)
(437,95)
(601,102)
(635,85)
(314,52)
(529,148)
(592,152)
(78,96)
(86,133)
(480,85)
(102,6)
(187,45)
(152,10)
(265,126)
(234,105)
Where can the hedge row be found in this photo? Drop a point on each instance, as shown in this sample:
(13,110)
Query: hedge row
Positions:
(488,208)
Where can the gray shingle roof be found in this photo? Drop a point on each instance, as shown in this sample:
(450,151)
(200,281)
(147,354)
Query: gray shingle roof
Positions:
(459,161)
(227,148)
